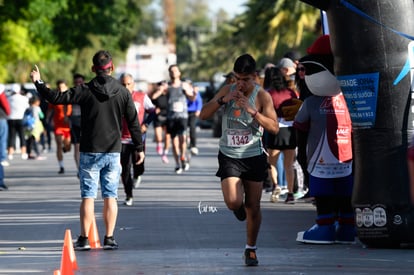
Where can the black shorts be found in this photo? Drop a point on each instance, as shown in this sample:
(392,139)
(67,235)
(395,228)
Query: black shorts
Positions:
(160,121)
(285,139)
(253,168)
(176,127)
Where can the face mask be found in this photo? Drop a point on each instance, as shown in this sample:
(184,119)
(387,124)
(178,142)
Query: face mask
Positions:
(323,83)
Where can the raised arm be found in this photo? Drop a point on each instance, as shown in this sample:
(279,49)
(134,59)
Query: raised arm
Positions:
(222,97)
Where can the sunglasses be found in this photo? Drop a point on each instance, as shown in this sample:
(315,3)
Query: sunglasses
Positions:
(301,69)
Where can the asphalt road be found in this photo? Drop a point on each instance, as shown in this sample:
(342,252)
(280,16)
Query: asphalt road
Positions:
(177,225)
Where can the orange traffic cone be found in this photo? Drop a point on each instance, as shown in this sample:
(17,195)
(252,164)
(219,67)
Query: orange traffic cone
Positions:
(68,261)
(93,236)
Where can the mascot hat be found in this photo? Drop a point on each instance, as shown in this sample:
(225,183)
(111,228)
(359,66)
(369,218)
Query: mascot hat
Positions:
(319,66)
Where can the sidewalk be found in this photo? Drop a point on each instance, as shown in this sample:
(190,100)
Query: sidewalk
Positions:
(177,225)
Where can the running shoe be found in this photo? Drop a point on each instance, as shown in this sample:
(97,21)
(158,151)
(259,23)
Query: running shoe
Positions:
(129,202)
(290,199)
(137,182)
(240,213)
(159,149)
(110,243)
(3,187)
(275,194)
(164,159)
(250,257)
(178,170)
(82,244)
(185,165)
(194,151)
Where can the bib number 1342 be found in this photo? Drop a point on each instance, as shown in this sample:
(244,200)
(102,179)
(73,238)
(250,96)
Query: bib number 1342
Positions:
(237,138)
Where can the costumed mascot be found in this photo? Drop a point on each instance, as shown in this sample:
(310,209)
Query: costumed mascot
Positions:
(373,47)
(324,128)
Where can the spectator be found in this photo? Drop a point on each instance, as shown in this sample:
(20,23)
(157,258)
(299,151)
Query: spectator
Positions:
(194,108)
(104,102)
(4,112)
(35,128)
(18,105)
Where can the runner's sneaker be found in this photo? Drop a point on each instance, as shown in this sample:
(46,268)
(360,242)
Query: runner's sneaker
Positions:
(185,165)
(178,170)
(3,187)
(110,243)
(194,151)
(290,199)
(129,201)
(159,149)
(164,159)
(82,244)
(275,194)
(250,258)
(240,213)
(137,182)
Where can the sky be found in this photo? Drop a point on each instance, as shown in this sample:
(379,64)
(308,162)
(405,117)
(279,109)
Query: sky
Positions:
(232,7)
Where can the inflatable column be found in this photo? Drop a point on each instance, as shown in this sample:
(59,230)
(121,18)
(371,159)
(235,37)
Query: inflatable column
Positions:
(371,44)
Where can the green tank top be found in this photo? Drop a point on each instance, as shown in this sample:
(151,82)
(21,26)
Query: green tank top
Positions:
(241,134)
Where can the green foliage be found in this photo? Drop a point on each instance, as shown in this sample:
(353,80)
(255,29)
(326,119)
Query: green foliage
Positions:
(57,33)
(62,35)
(267,30)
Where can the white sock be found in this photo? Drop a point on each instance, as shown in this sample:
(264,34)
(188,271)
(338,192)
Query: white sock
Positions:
(251,247)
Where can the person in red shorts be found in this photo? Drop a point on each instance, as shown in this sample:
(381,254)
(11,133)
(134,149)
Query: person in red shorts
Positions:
(61,126)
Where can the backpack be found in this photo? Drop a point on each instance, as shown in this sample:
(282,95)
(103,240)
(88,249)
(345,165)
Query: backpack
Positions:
(28,119)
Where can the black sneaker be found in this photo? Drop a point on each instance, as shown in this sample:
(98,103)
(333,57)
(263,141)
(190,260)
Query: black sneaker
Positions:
(250,258)
(82,244)
(240,213)
(110,243)
(3,187)
(61,170)
(290,199)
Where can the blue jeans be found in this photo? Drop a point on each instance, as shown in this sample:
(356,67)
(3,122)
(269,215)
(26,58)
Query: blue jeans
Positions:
(4,133)
(99,167)
(281,177)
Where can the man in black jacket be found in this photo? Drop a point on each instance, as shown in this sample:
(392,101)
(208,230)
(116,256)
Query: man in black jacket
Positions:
(104,102)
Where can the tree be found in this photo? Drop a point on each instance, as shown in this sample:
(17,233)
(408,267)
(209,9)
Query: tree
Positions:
(58,31)
(267,29)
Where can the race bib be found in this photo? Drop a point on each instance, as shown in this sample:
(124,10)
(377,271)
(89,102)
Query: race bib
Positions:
(178,107)
(239,137)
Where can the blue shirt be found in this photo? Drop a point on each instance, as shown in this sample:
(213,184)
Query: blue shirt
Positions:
(196,105)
